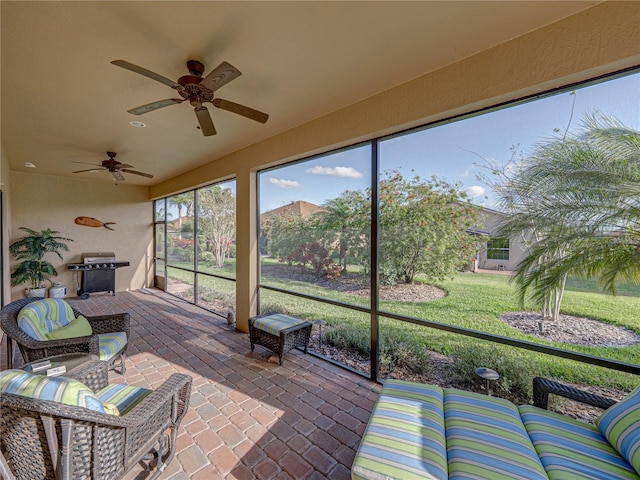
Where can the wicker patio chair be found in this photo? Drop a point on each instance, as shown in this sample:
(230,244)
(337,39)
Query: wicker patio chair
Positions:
(32,349)
(44,439)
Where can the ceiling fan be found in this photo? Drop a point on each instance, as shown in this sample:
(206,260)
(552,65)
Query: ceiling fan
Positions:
(197,90)
(115,167)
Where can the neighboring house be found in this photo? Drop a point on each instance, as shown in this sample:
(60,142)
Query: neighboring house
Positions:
(497,253)
(298,208)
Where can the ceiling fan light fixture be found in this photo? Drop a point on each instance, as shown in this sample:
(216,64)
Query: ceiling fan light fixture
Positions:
(138,124)
(29,165)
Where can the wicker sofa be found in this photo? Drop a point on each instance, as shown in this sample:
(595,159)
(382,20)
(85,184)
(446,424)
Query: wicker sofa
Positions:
(419,431)
(105,341)
(57,428)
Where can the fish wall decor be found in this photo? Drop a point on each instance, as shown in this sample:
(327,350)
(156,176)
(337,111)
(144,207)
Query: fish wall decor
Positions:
(93,222)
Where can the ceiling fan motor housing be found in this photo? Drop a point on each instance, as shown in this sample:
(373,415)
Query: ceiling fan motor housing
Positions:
(195,67)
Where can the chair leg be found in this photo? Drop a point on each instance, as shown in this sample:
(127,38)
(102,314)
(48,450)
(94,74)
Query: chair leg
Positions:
(9,352)
(123,366)
(118,362)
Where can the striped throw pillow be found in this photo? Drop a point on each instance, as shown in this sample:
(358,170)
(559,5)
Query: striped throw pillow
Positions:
(57,389)
(620,425)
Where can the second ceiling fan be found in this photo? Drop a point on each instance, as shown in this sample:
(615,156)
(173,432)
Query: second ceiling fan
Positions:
(198,90)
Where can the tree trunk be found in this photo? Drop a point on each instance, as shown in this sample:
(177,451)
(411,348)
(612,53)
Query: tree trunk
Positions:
(558,294)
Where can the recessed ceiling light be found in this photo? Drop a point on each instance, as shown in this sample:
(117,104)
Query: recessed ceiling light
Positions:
(138,124)
(29,165)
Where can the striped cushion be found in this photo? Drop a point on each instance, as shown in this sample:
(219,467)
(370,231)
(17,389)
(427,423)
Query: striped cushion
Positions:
(57,389)
(405,435)
(42,316)
(111,343)
(620,425)
(273,324)
(486,438)
(124,397)
(570,449)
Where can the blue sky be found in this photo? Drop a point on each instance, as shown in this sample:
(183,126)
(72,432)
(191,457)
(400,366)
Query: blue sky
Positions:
(454,151)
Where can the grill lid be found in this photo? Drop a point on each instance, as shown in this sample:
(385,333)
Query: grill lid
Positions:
(98,257)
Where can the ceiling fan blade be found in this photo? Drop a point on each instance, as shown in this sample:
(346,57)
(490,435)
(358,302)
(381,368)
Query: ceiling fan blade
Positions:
(145,72)
(219,76)
(84,163)
(122,166)
(118,176)
(204,119)
(126,170)
(241,110)
(150,107)
(97,169)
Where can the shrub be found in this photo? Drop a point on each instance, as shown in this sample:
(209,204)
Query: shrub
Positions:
(205,256)
(348,337)
(516,368)
(314,256)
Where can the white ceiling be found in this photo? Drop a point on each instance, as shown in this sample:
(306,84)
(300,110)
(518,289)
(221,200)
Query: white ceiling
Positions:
(62,101)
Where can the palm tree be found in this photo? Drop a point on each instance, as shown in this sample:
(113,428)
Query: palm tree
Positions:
(578,196)
(180,200)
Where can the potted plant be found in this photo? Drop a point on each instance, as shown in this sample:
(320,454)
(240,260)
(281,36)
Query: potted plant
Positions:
(32,267)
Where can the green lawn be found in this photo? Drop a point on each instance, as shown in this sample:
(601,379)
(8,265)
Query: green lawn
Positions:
(473,301)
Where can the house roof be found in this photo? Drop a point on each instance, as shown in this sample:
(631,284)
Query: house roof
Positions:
(299,208)
(64,102)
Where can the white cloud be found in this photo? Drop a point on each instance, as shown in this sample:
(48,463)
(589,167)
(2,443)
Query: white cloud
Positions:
(282,183)
(348,172)
(475,191)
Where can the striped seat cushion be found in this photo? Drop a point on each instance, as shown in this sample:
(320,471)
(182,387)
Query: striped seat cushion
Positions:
(124,397)
(43,316)
(570,449)
(57,389)
(110,344)
(486,438)
(275,323)
(405,435)
(620,425)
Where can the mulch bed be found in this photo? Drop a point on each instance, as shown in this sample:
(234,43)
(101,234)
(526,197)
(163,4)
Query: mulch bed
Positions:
(567,329)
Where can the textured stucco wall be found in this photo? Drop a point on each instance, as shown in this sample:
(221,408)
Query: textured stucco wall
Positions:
(42,201)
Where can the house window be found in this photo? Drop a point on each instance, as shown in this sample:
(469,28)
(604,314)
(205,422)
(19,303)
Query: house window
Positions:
(498,249)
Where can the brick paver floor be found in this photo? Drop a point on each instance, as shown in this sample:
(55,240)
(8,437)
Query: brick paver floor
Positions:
(249,418)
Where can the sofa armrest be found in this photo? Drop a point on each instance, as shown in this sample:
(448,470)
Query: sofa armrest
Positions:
(542,387)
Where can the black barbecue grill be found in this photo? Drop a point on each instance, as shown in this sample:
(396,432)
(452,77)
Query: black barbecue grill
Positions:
(98,273)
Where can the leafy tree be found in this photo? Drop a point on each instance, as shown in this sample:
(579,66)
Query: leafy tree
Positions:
(284,233)
(423,228)
(578,196)
(217,220)
(345,226)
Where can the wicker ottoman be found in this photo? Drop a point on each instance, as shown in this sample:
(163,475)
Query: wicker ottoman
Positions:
(279,333)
